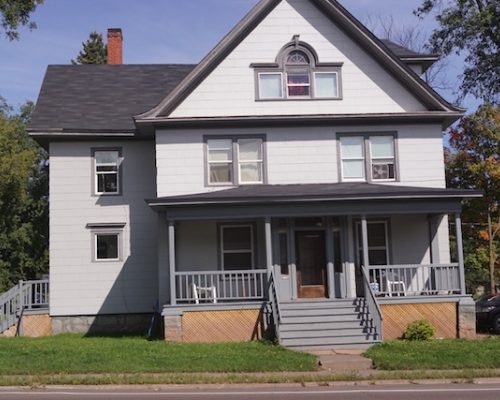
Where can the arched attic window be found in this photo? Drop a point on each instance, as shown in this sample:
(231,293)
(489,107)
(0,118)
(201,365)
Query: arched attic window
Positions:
(297,75)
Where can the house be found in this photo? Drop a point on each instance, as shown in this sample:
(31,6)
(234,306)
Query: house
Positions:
(293,179)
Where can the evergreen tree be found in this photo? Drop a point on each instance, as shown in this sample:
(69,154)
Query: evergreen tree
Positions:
(94,51)
(14,14)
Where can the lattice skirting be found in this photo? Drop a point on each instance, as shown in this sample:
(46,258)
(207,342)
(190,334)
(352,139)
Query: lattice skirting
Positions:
(443,316)
(220,326)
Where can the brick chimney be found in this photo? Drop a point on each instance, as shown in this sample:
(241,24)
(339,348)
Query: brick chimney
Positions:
(115,46)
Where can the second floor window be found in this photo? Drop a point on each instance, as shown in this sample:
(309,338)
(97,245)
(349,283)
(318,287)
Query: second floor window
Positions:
(235,161)
(107,170)
(367,158)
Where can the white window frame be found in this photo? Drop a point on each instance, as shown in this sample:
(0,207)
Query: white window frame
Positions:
(225,162)
(235,164)
(305,71)
(379,160)
(367,156)
(103,232)
(97,173)
(363,159)
(281,85)
(337,88)
(251,250)
(260,162)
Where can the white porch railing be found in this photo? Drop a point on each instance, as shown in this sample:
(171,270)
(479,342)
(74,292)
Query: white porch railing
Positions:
(414,279)
(220,286)
(27,295)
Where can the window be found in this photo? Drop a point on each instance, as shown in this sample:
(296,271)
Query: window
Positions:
(378,249)
(107,171)
(235,161)
(367,158)
(382,157)
(298,75)
(237,247)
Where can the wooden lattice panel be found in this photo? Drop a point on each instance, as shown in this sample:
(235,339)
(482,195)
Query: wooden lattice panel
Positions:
(36,325)
(222,326)
(11,332)
(443,316)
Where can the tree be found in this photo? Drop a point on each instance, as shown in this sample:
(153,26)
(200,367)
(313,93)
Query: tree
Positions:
(94,51)
(474,163)
(471,27)
(414,38)
(15,14)
(23,200)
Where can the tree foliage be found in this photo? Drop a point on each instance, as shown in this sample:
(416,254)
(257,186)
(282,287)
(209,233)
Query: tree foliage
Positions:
(23,200)
(472,27)
(16,13)
(94,51)
(474,163)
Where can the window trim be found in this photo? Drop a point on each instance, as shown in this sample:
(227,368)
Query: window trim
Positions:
(235,163)
(314,67)
(258,88)
(119,179)
(367,155)
(106,231)
(220,230)
(388,242)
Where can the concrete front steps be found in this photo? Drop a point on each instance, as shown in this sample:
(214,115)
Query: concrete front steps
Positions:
(326,324)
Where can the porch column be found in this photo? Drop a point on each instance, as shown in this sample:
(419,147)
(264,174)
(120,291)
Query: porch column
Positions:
(364,239)
(460,252)
(434,222)
(349,269)
(171,260)
(330,272)
(269,246)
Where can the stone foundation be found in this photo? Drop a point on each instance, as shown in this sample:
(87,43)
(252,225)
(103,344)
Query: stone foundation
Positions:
(466,318)
(126,324)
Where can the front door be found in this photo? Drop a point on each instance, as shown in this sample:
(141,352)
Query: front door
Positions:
(311,264)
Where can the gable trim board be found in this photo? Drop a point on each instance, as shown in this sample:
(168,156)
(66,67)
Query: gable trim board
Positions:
(340,16)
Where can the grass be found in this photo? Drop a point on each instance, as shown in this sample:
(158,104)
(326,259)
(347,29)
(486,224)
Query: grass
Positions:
(436,354)
(74,354)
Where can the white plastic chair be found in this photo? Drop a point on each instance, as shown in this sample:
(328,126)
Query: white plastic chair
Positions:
(207,293)
(396,287)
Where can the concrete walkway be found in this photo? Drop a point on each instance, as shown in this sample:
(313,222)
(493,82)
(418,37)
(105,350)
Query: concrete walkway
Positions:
(343,360)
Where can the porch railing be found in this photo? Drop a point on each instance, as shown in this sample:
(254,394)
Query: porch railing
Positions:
(414,279)
(275,304)
(26,295)
(372,304)
(220,286)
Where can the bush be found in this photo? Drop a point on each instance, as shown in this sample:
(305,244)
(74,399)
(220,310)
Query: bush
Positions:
(419,330)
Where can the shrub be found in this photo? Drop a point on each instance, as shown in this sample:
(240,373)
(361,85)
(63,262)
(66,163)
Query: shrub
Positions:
(419,330)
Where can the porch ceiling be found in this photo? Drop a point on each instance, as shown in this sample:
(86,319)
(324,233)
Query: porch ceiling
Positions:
(312,199)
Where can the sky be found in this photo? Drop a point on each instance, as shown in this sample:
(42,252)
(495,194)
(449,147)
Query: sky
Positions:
(154,31)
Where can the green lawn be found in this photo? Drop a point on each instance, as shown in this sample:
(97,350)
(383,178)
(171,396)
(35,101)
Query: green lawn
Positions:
(436,354)
(76,354)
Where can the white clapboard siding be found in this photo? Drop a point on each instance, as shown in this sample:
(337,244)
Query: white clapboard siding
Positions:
(78,285)
(229,90)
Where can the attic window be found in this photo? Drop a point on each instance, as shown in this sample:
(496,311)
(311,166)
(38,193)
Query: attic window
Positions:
(297,75)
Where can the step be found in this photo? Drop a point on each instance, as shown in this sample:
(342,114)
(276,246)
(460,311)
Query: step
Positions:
(325,318)
(308,304)
(354,324)
(350,346)
(329,340)
(322,311)
(324,333)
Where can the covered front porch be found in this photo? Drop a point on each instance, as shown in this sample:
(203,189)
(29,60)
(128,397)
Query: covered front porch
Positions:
(268,245)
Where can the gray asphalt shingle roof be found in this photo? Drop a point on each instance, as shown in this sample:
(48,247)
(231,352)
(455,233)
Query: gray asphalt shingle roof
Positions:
(315,191)
(102,97)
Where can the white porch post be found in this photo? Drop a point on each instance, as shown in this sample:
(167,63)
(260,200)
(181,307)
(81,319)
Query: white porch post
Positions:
(460,251)
(171,260)
(349,269)
(330,271)
(364,239)
(269,246)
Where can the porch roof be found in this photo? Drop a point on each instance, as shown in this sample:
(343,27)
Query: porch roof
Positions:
(312,199)
(258,194)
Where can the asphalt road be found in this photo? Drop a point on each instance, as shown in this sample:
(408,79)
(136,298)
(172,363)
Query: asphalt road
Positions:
(378,392)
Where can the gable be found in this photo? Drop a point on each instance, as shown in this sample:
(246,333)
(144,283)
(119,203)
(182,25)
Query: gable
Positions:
(229,89)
